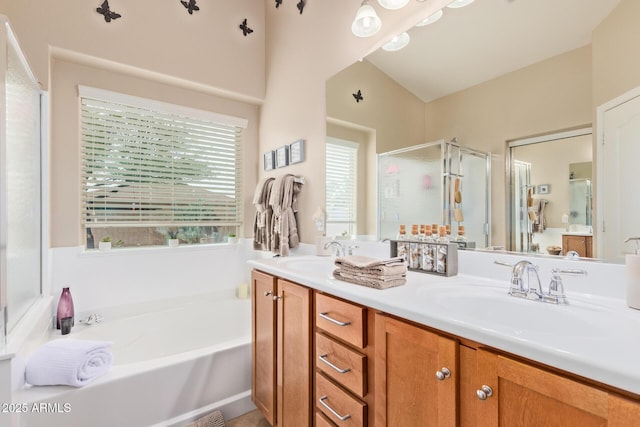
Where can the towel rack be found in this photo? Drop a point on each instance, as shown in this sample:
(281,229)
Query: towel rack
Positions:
(299,180)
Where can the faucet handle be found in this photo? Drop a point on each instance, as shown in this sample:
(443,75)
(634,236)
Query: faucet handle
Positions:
(555,294)
(350,249)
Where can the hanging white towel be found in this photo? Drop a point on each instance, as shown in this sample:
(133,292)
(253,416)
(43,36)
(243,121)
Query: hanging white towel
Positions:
(68,361)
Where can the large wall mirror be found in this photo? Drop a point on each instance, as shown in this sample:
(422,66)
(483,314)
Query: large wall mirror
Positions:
(488,74)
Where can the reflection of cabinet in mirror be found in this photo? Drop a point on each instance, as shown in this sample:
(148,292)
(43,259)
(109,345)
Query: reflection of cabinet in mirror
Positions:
(417,185)
(581,243)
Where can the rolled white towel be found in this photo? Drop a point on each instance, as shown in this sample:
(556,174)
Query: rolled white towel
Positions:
(68,362)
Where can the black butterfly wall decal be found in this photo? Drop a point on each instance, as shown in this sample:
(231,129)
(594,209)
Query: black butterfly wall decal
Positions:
(190,5)
(245,29)
(358,96)
(106,12)
(278,3)
(300,6)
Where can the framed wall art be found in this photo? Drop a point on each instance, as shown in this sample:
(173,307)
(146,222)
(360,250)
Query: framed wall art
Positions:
(296,151)
(282,156)
(268,160)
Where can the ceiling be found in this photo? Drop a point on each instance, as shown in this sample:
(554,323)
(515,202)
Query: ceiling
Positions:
(486,39)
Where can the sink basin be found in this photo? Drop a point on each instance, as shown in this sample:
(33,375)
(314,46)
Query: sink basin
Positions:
(308,264)
(493,308)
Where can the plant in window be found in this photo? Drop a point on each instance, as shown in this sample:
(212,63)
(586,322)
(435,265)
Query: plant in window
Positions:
(105,243)
(231,238)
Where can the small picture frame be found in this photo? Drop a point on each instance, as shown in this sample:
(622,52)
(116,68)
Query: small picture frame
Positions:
(269,160)
(544,189)
(296,151)
(282,156)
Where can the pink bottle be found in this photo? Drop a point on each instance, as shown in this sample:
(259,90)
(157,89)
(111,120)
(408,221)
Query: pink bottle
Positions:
(65,307)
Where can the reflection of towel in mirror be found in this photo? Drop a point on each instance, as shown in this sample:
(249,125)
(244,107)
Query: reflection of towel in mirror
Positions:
(540,223)
(264,213)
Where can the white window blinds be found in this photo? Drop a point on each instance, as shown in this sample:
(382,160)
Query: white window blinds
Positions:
(341,183)
(144,165)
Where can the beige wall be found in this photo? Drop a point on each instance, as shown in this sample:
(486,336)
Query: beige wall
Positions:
(159,36)
(616,63)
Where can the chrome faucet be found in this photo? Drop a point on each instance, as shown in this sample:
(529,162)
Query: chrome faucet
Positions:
(338,245)
(555,294)
(533,289)
(340,249)
(92,319)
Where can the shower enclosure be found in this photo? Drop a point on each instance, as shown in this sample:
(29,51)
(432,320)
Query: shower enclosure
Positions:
(20,184)
(523,226)
(417,185)
(580,198)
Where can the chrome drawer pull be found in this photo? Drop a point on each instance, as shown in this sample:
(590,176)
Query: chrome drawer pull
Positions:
(323,358)
(332,320)
(330,409)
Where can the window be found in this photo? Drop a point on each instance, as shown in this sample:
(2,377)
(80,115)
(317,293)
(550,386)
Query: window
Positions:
(341,187)
(152,170)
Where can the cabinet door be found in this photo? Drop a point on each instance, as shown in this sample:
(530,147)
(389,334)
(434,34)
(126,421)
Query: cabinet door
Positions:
(408,391)
(523,395)
(263,287)
(294,379)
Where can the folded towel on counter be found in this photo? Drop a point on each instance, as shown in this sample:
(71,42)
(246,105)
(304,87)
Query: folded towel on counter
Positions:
(359,261)
(385,267)
(370,280)
(68,362)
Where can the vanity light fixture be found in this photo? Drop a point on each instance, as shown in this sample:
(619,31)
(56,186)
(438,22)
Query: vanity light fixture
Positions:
(393,4)
(459,3)
(366,22)
(397,42)
(430,19)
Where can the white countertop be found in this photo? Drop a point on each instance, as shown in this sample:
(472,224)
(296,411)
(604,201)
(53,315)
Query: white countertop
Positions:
(595,336)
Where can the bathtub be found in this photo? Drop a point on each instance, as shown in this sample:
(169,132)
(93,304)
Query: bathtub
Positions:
(173,362)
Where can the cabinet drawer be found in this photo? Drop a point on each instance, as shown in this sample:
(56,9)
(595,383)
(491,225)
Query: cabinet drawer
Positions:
(341,319)
(338,405)
(322,421)
(344,365)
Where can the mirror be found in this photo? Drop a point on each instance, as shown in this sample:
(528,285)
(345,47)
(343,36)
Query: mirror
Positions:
(492,76)
(550,194)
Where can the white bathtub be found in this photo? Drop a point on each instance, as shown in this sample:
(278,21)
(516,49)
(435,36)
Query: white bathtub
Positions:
(173,362)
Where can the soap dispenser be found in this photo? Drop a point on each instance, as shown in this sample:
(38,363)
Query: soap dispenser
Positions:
(632,262)
(65,315)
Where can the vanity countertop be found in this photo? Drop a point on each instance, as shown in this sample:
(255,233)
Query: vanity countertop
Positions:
(594,336)
(577,233)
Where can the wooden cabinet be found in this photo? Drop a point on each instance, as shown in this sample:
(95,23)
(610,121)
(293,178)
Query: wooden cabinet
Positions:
(375,369)
(416,375)
(263,344)
(281,366)
(341,362)
(513,393)
(582,244)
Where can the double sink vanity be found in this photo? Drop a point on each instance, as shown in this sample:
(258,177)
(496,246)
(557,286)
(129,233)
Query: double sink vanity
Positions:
(444,350)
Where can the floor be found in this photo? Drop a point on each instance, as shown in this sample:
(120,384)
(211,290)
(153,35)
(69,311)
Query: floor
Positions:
(250,419)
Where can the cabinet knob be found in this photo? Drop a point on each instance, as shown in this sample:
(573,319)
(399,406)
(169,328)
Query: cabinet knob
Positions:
(277,297)
(267,293)
(484,392)
(443,374)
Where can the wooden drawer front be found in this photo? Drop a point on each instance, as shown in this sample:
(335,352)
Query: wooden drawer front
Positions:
(342,319)
(322,421)
(346,366)
(349,411)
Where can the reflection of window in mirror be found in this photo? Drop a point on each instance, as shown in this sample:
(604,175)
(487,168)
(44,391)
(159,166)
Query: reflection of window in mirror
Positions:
(341,187)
